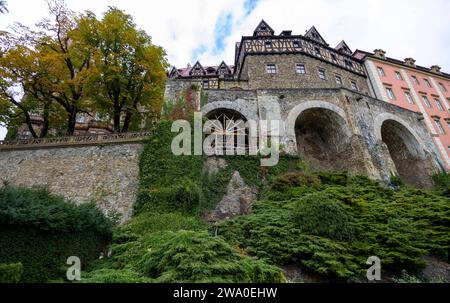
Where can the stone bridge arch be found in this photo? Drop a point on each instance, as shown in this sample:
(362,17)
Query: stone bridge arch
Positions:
(319,132)
(405,151)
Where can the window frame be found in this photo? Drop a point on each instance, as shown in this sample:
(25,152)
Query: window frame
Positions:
(426,101)
(297,70)
(415,80)
(439,126)
(439,104)
(324,72)
(390,93)
(381,71)
(409,97)
(427,82)
(269,70)
(398,76)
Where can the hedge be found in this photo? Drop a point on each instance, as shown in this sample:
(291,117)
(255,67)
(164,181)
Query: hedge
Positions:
(41,231)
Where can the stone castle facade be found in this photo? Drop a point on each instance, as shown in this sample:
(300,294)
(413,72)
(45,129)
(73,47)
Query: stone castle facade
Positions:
(324,99)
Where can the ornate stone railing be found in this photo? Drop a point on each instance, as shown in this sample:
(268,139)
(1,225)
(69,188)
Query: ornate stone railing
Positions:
(75,141)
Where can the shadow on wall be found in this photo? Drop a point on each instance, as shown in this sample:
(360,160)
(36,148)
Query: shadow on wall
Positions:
(324,140)
(403,147)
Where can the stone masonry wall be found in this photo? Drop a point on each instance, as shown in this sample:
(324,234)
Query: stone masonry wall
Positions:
(287,77)
(107,175)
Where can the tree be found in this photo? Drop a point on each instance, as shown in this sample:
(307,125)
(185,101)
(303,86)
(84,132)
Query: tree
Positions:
(3,8)
(50,66)
(131,71)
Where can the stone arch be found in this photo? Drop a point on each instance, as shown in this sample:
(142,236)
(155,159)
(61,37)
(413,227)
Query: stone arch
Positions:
(233,129)
(246,112)
(291,143)
(322,135)
(419,148)
(405,148)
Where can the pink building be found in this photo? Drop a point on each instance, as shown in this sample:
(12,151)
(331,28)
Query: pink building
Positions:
(420,89)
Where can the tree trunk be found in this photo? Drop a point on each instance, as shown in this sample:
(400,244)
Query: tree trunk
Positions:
(71,121)
(45,125)
(127,121)
(30,125)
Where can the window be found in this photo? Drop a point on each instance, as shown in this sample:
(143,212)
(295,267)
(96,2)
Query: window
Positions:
(439,126)
(333,56)
(439,104)
(26,134)
(443,88)
(206,84)
(390,93)
(268,44)
(381,72)
(354,86)
(97,117)
(416,81)
(81,118)
(300,69)
(427,102)
(398,76)
(322,74)
(348,63)
(317,51)
(271,68)
(338,80)
(427,82)
(296,44)
(409,97)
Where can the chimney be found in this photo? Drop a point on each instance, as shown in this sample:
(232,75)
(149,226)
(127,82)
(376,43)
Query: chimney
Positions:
(410,62)
(379,53)
(436,69)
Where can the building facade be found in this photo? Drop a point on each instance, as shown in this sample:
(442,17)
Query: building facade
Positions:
(416,88)
(324,99)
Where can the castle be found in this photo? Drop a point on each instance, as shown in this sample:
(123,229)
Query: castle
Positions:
(339,110)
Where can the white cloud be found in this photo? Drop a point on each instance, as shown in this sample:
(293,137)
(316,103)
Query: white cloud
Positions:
(414,28)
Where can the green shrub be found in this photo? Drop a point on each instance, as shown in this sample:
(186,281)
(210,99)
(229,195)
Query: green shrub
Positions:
(114,276)
(295,179)
(332,230)
(320,215)
(189,256)
(41,231)
(36,207)
(10,273)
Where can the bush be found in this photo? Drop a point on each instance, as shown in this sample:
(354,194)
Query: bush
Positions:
(320,215)
(36,207)
(295,179)
(10,273)
(331,230)
(189,256)
(41,231)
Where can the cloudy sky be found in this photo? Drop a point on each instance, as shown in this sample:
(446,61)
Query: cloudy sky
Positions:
(207,29)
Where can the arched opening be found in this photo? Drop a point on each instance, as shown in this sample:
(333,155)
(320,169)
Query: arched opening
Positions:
(230,131)
(404,150)
(323,140)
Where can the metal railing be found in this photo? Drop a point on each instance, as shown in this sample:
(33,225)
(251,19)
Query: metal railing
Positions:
(75,140)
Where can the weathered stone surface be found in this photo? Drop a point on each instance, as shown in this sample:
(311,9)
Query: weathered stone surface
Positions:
(213,165)
(107,175)
(237,201)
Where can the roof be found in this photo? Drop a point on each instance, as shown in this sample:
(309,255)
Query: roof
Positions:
(360,54)
(209,70)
